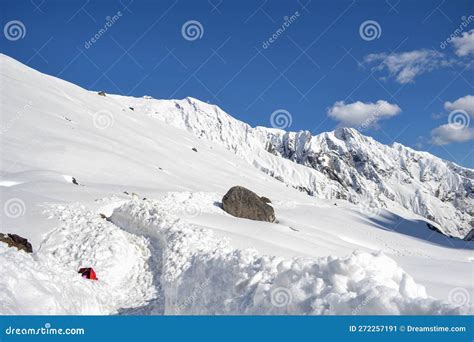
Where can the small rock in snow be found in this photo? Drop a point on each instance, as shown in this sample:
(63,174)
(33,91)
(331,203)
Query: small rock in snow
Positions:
(20,243)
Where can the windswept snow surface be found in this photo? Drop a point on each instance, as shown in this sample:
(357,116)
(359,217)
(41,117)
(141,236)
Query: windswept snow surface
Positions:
(69,155)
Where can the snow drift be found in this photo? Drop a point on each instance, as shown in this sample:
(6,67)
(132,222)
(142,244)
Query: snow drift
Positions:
(150,261)
(31,286)
(47,282)
(201,274)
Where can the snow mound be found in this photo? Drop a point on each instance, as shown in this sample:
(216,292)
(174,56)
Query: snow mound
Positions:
(202,274)
(121,260)
(48,279)
(46,287)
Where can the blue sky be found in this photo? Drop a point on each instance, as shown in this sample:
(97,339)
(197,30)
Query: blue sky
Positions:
(397,80)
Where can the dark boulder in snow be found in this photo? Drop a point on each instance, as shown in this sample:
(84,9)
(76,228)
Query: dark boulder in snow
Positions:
(13,240)
(101,93)
(243,203)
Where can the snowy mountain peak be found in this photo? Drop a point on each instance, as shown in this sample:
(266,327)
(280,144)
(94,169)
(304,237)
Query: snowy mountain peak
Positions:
(135,193)
(347,133)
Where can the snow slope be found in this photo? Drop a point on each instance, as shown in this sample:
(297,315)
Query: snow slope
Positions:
(168,248)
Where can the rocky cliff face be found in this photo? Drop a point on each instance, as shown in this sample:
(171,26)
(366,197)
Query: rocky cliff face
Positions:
(433,188)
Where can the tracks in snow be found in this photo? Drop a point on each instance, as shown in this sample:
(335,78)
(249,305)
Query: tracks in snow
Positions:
(121,260)
(202,274)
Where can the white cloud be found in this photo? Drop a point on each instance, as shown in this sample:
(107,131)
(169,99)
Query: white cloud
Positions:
(464,45)
(465,103)
(457,129)
(405,66)
(450,133)
(360,114)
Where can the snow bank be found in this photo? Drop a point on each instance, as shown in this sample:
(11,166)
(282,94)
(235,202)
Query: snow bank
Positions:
(150,262)
(202,274)
(47,281)
(42,287)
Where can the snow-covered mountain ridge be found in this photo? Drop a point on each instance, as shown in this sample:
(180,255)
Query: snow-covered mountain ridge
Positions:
(133,193)
(342,164)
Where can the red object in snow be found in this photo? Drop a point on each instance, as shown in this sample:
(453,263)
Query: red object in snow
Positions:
(88,272)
